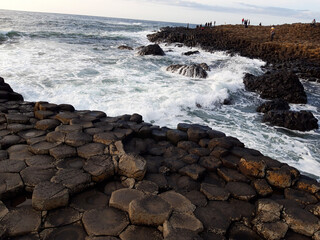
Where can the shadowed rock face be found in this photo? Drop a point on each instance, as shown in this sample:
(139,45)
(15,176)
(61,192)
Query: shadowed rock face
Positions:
(195,71)
(153,49)
(126,179)
(278,85)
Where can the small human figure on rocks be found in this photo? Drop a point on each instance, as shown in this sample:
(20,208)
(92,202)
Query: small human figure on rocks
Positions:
(313,23)
(245,23)
(272,33)
(260,24)
(242,20)
(214,23)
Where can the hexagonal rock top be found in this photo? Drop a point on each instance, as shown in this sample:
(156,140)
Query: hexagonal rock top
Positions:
(106,221)
(142,233)
(178,202)
(123,197)
(132,166)
(100,167)
(149,210)
(48,195)
(21,221)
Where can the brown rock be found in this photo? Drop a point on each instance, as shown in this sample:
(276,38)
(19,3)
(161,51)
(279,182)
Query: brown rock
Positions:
(240,231)
(106,221)
(41,161)
(149,210)
(214,192)
(100,167)
(77,139)
(186,145)
(176,136)
(74,162)
(301,221)
(61,217)
(90,150)
(132,166)
(66,117)
(267,210)
(89,200)
(11,166)
(279,178)
(140,232)
(241,190)
(69,128)
(195,134)
(75,180)
(43,114)
(183,220)
(21,221)
(16,118)
(42,147)
(252,166)
(211,163)
(63,151)
(300,196)
(10,184)
(48,195)
(308,184)
(32,176)
(197,198)
(123,197)
(194,171)
(3,210)
(178,202)
(32,133)
(9,140)
(262,187)
(273,230)
(47,124)
(230,175)
(74,231)
(230,161)
(147,187)
(105,138)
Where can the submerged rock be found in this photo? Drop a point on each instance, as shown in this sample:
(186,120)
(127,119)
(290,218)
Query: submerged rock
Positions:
(302,121)
(124,47)
(153,49)
(194,70)
(277,104)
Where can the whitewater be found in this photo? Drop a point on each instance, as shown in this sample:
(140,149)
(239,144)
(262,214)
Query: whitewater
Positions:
(75,59)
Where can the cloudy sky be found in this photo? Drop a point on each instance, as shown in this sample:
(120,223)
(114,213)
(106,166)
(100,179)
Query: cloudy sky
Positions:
(186,11)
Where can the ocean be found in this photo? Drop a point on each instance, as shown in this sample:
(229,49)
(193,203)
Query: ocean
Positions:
(75,59)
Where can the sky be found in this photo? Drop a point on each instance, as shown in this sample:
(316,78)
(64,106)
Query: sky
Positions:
(183,11)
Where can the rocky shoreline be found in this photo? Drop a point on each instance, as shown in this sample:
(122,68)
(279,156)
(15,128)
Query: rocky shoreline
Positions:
(68,174)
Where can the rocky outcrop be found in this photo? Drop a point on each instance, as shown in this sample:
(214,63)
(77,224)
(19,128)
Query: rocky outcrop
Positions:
(100,177)
(302,121)
(125,47)
(278,85)
(190,53)
(277,105)
(153,49)
(194,70)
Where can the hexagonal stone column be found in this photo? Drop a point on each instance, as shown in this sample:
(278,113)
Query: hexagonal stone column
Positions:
(106,221)
(149,210)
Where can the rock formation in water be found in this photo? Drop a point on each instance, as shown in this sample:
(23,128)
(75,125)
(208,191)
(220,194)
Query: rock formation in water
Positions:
(153,49)
(194,70)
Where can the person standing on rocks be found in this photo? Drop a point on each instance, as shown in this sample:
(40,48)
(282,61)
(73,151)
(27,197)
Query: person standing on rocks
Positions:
(272,33)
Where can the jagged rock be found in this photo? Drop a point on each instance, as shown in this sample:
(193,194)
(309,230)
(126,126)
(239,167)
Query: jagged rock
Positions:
(132,166)
(214,192)
(149,210)
(308,184)
(89,200)
(267,210)
(302,121)
(140,232)
(301,221)
(178,202)
(195,71)
(21,221)
(48,195)
(153,49)
(282,85)
(277,104)
(123,197)
(61,217)
(106,221)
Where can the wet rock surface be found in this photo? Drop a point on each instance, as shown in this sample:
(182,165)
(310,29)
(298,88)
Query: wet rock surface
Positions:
(130,182)
(194,71)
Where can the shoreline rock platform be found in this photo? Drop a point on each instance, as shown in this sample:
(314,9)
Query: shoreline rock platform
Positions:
(68,174)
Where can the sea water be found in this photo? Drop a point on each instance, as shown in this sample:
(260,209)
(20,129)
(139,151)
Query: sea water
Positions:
(75,59)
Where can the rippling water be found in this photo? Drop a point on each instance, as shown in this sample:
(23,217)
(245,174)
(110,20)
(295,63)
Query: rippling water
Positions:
(75,59)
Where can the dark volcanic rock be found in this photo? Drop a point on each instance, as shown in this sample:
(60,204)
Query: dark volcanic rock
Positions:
(124,47)
(283,85)
(194,70)
(277,104)
(191,53)
(302,121)
(153,49)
